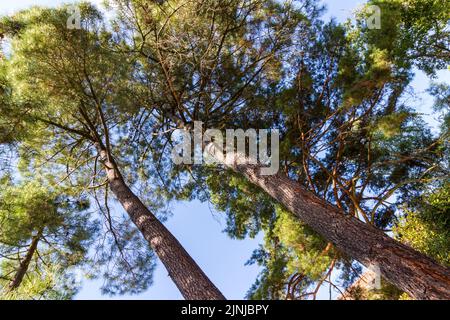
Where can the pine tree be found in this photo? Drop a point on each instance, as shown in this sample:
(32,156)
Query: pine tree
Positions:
(335,92)
(72,91)
(44,239)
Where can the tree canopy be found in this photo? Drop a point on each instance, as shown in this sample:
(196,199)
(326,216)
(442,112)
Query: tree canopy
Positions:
(87,118)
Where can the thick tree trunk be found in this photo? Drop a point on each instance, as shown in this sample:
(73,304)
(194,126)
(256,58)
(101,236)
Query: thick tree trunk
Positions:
(404,267)
(24,264)
(187,275)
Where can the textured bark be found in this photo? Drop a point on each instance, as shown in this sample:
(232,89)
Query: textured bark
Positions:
(184,271)
(24,264)
(404,267)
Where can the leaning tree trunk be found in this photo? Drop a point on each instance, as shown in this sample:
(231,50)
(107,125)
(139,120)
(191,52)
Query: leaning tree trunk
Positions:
(404,267)
(409,270)
(24,264)
(186,274)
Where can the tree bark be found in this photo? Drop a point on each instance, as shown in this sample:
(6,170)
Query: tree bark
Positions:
(184,271)
(406,268)
(24,264)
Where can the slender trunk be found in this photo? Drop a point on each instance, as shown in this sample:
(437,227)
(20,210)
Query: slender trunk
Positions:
(186,274)
(24,264)
(404,267)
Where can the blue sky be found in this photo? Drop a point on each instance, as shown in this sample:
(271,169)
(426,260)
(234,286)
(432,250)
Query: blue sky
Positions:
(197,227)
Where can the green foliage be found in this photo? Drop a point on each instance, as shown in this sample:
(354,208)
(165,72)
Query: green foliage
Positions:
(391,125)
(441,93)
(291,248)
(64,231)
(44,283)
(248,210)
(270,284)
(426,227)
(414,32)
(305,249)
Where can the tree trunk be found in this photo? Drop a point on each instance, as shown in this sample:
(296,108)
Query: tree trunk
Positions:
(406,268)
(24,264)
(187,275)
